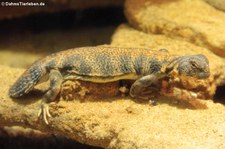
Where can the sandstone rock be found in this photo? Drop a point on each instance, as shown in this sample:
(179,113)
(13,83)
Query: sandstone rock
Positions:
(195,21)
(126,35)
(88,91)
(15,131)
(219,4)
(118,122)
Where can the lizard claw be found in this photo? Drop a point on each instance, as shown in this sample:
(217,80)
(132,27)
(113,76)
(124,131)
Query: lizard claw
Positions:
(153,102)
(44,111)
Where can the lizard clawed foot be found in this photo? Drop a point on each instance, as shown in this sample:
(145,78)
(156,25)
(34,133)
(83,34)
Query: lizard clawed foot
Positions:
(153,102)
(44,111)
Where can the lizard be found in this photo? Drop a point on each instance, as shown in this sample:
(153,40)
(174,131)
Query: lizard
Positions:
(102,64)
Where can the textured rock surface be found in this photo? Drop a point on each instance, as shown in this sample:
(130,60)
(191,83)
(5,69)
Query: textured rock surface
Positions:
(20,131)
(119,122)
(219,4)
(126,35)
(195,21)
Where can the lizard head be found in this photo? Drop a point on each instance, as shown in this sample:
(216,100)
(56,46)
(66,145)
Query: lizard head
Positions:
(196,66)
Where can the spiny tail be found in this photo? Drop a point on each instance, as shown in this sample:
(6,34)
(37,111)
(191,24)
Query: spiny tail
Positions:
(26,81)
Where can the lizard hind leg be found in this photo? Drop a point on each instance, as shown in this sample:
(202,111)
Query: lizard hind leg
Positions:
(56,80)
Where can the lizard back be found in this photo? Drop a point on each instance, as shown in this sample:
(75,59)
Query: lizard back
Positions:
(97,64)
(108,61)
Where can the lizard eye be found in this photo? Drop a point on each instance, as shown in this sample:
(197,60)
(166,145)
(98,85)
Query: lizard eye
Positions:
(194,64)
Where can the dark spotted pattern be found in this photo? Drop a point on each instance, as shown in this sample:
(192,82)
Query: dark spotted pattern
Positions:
(70,63)
(26,82)
(138,64)
(50,65)
(108,62)
(105,65)
(76,63)
(124,64)
(85,69)
(155,66)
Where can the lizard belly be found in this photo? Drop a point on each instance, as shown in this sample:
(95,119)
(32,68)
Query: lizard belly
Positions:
(97,79)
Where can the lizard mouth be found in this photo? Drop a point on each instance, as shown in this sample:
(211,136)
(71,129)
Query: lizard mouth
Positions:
(203,75)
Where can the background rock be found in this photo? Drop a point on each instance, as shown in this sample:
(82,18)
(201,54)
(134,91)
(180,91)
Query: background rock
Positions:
(219,4)
(195,21)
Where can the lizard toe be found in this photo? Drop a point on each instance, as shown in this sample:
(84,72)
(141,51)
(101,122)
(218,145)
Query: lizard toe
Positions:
(44,112)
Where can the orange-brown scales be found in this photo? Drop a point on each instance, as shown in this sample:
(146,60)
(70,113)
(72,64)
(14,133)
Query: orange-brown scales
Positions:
(104,64)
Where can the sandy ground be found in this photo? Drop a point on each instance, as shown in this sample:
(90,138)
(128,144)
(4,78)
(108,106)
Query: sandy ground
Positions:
(118,122)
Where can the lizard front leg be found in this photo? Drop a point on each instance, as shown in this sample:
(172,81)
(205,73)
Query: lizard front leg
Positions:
(143,82)
(56,79)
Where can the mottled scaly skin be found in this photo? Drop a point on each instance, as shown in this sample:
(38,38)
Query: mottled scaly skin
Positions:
(91,62)
(106,64)
(27,81)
